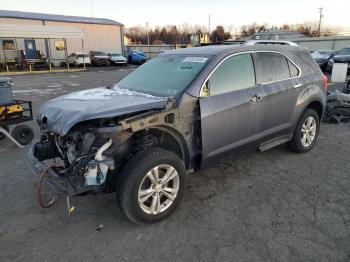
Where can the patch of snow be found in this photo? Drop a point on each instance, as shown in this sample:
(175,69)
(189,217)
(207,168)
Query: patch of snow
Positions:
(103,94)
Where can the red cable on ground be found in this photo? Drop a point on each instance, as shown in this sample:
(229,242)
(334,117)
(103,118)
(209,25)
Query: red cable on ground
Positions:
(39,189)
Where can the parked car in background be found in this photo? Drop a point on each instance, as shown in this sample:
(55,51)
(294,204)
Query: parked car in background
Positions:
(137,57)
(322,57)
(179,112)
(99,58)
(78,59)
(117,59)
(343,56)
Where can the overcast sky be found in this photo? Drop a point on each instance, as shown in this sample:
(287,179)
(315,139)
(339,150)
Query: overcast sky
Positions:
(225,12)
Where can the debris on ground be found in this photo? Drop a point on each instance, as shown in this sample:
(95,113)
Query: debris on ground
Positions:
(99,227)
(338,106)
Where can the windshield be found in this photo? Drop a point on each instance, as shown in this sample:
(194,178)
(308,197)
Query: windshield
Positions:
(115,54)
(82,55)
(321,54)
(344,51)
(165,75)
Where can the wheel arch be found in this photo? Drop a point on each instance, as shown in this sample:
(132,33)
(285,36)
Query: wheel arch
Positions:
(171,140)
(317,106)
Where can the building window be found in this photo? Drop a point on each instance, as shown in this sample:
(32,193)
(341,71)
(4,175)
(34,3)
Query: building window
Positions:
(8,44)
(59,45)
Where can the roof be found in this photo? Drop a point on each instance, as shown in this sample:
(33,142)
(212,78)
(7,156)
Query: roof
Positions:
(39,31)
(220,49)
(278,31)
(58,18)
(202,50)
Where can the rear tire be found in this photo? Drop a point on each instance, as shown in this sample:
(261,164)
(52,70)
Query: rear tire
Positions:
(143,199)
(23,134)
(306,132)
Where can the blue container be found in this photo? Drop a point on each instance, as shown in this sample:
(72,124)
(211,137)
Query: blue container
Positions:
(6,91)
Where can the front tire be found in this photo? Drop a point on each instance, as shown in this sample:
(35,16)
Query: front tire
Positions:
(151,185)
(306,132)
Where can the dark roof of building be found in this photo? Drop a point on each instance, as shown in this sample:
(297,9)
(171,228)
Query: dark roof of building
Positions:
(58,18)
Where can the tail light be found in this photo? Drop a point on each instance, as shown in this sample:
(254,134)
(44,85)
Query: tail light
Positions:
(325,82)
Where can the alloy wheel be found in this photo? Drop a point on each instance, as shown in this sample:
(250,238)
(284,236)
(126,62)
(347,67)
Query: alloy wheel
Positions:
(158,189)
(308,131)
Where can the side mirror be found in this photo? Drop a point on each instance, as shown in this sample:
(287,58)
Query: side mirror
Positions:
(205,89)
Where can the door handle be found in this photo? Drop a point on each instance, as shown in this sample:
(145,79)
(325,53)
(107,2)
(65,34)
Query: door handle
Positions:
(297,86)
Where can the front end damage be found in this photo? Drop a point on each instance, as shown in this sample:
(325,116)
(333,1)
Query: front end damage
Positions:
(84,157)
(89,156)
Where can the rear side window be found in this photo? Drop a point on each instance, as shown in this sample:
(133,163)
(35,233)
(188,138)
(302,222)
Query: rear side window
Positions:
(235,73)
(271,67)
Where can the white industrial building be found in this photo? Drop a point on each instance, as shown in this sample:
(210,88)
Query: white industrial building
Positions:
(36,35)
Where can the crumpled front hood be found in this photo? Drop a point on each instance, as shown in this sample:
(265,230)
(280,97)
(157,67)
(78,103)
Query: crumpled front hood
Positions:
(61,114)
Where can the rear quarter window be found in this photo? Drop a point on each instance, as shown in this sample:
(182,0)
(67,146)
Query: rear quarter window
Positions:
(294,71)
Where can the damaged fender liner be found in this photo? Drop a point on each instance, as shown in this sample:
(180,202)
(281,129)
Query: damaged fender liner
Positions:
(180,122)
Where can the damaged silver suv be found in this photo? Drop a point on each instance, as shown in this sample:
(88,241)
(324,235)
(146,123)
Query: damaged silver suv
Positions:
(179,112)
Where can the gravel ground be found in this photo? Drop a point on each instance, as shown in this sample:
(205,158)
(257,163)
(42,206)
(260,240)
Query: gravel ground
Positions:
(271,206)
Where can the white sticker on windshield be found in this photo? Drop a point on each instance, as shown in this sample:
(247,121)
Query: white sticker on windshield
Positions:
(195,59)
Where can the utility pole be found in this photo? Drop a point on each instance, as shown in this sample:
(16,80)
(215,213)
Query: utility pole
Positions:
(209,25)
(319,23)
(92,8)
(208,40)
(147,24)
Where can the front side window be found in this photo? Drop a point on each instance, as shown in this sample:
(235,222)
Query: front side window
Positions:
(164,75)
(271,67)
(235,73)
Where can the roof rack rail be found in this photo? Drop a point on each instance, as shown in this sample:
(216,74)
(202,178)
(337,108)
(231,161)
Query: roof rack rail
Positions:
(270,42)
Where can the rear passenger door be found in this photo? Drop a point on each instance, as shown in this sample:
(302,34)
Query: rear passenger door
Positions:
(277,76)
(230,106)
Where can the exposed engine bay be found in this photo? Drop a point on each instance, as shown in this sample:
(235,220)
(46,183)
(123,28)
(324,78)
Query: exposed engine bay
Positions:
(79,156)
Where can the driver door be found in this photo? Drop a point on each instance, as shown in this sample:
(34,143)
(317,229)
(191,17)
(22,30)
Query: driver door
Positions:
(230,107)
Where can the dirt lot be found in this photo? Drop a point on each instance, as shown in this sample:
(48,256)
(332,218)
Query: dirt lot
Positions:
(271,206)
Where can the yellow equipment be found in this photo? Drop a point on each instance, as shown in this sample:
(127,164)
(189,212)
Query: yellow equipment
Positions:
(14,112)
